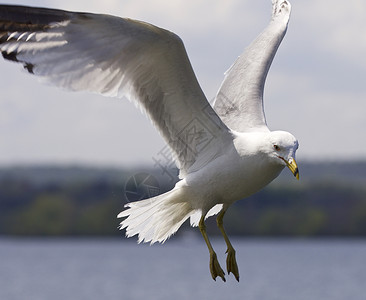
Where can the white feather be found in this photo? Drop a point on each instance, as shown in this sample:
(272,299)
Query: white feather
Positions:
(239,101)
(156,219)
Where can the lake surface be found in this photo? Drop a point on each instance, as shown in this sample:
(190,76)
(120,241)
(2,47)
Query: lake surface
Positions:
(270,269)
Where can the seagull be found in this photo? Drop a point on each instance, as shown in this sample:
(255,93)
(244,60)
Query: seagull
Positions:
(224,152)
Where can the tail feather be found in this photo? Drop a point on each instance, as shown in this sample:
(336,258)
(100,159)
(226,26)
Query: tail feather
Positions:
(155,219)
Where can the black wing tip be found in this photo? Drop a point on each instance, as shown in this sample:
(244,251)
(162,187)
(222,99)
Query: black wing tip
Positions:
(15,18)
(32,15)
(12,56)
(29,67)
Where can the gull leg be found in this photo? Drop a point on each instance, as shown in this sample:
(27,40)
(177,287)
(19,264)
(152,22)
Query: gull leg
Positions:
(231,264)
(215,267)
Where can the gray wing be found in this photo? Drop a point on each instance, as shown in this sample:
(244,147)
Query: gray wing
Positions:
(115,56)
(239,102)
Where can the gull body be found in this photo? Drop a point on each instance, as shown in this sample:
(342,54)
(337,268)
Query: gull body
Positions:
(226,179)
(224,153)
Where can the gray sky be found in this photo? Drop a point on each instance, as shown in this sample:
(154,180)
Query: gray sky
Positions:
(315,89)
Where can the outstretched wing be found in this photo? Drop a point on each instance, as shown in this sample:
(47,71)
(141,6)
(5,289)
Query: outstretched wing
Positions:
(239,102)
(115,56)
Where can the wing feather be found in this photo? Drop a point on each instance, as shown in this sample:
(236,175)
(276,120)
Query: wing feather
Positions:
(115,56)
(239,101)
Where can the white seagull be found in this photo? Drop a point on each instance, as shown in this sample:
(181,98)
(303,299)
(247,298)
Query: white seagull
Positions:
(224,153)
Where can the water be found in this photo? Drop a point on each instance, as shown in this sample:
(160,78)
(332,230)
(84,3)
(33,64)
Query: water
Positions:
(119,269)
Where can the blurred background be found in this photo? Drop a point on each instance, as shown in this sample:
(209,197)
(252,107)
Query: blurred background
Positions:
(70,161)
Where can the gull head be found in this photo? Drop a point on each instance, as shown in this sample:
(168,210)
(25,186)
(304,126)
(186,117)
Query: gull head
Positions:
(281,149)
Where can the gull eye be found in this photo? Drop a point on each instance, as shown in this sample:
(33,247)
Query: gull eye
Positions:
(277,148)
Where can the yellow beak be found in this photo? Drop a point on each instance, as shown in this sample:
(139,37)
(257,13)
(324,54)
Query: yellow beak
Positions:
(292,165)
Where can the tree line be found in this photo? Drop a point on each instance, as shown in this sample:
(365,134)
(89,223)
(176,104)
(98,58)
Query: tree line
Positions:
(54,202)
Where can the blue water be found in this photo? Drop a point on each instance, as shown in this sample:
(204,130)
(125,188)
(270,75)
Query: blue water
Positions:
(119,269)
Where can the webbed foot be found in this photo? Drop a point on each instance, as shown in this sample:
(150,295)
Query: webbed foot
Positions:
(231,265)
(215,267)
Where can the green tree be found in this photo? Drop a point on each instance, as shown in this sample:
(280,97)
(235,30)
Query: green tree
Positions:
(47,215)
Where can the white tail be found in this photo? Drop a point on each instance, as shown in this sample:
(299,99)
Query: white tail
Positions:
(156,219)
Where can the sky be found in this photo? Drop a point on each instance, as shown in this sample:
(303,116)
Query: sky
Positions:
(315,89)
